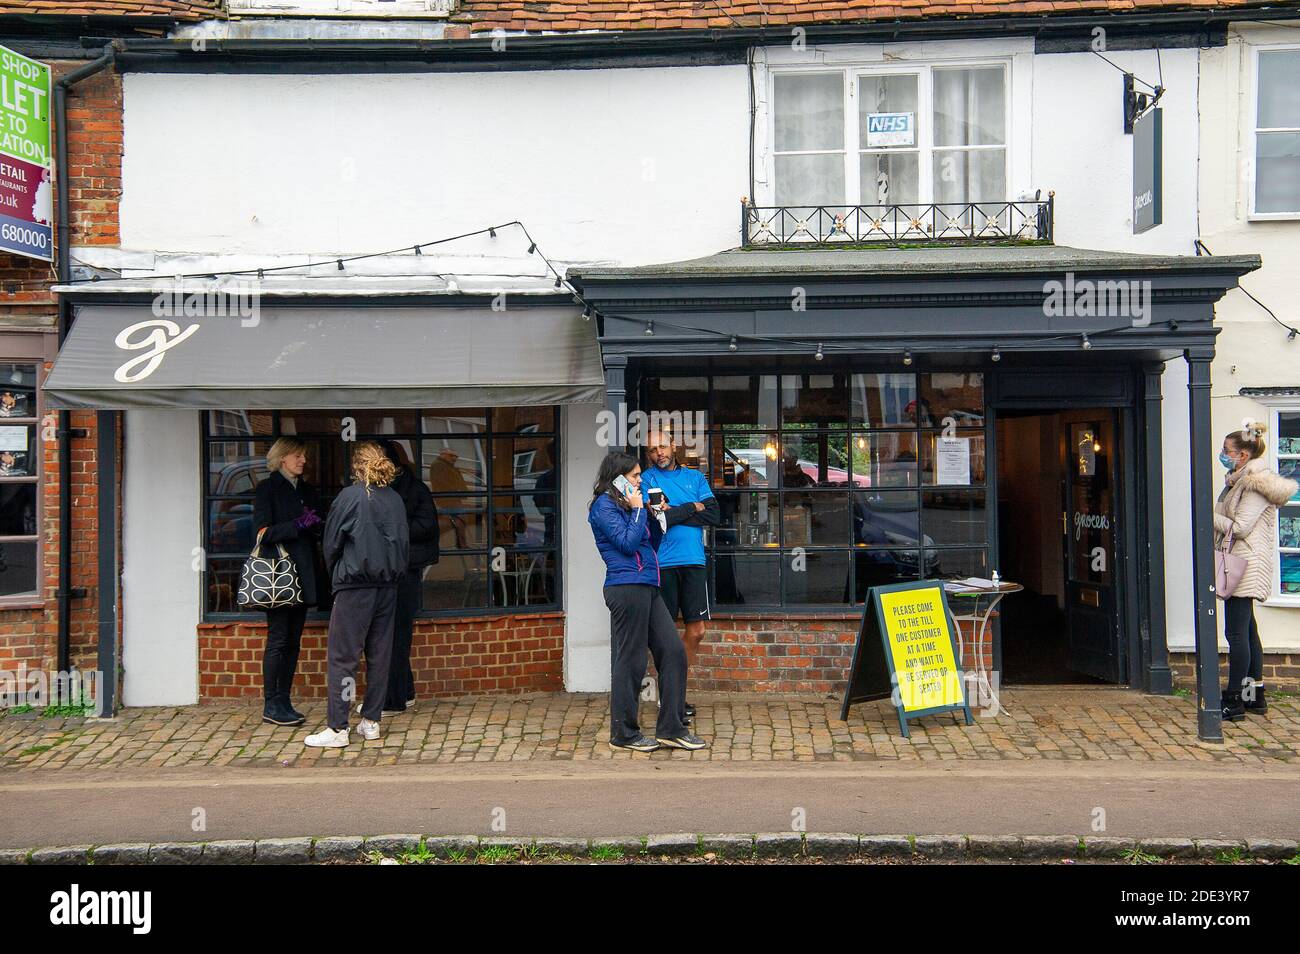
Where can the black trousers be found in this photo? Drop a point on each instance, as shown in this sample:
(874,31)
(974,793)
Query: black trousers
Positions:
(280,657)
(639,621)
(361,620)
(1245,654)
(401,681)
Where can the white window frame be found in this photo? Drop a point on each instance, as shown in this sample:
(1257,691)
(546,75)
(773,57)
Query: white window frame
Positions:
(1277,597)
(924,71)
(1253,132)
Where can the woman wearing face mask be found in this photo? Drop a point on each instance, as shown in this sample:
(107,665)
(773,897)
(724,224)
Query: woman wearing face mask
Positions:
(1247,511)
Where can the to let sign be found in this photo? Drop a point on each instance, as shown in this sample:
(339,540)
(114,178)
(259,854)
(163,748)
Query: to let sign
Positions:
(1147,204)
(26,166)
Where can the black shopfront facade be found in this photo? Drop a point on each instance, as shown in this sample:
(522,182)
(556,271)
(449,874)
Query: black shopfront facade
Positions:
(867,416)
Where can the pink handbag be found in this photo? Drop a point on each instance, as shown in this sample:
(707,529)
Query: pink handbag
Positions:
(1228,569)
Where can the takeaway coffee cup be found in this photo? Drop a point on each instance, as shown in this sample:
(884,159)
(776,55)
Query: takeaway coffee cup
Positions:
(656,496)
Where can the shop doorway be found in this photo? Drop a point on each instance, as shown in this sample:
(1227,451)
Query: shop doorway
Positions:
(1058,482)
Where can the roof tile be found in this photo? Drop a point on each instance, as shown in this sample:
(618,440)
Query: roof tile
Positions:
(174,9)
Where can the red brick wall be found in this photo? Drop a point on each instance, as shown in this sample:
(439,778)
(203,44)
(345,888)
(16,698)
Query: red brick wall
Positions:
(1281,670)
(450,657)
(94,175)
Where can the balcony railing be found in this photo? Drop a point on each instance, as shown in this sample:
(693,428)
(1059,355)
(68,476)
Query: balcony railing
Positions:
(1022,220)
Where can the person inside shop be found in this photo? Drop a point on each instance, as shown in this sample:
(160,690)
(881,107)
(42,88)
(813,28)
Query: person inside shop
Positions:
(367,550)
(422,528)
(628,537)
(1245,518)
(287,512)
(688,506)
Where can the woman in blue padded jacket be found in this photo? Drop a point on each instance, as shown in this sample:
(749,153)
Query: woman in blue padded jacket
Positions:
(627,535)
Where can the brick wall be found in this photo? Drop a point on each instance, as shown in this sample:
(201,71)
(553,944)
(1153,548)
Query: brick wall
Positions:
(450,657)
(1281,670)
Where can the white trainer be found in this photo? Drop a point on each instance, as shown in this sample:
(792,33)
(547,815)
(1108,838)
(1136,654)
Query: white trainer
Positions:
(328,738)
(368,730)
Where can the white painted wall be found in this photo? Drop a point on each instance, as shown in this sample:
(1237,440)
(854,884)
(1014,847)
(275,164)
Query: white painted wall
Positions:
(161,527)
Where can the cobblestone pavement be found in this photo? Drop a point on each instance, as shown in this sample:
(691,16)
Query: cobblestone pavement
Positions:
(1051,723)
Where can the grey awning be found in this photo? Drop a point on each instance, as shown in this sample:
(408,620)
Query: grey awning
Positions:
(126,356)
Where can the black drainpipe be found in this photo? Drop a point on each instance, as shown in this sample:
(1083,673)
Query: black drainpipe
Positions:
(66,593)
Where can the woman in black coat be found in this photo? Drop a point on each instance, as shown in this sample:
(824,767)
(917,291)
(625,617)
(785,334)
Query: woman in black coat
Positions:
(287,511)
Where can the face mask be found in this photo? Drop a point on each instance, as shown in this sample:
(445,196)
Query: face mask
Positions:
(1227,461)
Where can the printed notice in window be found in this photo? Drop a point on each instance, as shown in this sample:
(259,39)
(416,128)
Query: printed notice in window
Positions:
(952,461)
(891,129)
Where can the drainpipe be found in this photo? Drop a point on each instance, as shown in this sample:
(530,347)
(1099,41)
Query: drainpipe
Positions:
(65,433)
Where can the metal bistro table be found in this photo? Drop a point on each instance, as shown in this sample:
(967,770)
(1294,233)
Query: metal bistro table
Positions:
(977,603)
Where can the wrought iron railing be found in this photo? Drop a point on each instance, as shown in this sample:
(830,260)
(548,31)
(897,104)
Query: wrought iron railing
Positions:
(1028,220)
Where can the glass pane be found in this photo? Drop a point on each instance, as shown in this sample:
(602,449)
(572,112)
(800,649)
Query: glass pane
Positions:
(462,522)
(885,519)
(236,467)
(377,421)
(813,399)
(17,390)
(882,567)
(454,464)
(969,107)
(809,111)
(1290,468)
(324,423)
(748,520)
(1291,573)
(954,517)
(524,420)
(1277,172)
(955,462)
(948,564)
(230,526)
(815,459)
(456,581)
(1279,93)
(526,520)
(889,178)
(18,510)
(813,180)
(1288,526)
(885,94)
(747,579)
(955,394)
(816,578)
(527,580)
(882,400)
(1288,432)
(18,450)
(973,175)
(815,520)
(453,420)
(240,423)
(744,459)
(745,400)
(223,585)
(524,463)
(885,459)
(326,467)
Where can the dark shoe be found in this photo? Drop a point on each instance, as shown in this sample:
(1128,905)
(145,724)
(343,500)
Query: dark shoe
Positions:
(690,711)
(1258,705)
(685,741)
(1233,710)
(275,712)
(287,707)
(639,744)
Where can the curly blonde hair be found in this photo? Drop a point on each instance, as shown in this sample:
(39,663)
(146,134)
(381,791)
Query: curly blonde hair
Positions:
(371,466)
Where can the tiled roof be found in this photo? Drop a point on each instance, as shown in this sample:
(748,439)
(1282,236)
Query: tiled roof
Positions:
(573,15)
(174,9)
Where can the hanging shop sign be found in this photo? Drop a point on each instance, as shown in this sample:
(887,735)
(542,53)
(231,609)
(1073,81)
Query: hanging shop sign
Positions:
(26,164)
(907,652)
(1147,185)
(891,129)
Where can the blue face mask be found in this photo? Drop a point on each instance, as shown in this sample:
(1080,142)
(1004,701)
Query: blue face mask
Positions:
(1227,461)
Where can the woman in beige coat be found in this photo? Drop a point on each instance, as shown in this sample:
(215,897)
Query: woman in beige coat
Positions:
(1247,511)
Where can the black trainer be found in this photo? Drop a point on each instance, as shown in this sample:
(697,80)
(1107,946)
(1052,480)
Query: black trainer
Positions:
(690,710)
(639,744)
(685,741)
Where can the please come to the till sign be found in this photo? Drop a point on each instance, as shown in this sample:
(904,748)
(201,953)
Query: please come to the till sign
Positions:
(907,652)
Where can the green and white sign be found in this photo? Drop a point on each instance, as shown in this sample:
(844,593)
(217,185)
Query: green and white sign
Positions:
(26,161)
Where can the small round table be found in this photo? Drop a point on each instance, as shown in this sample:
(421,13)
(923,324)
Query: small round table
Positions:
(977,605)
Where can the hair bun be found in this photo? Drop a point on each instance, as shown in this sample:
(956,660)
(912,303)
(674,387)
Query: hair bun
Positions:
(1253,430)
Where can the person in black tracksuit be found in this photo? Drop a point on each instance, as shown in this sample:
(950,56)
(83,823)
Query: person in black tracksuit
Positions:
(287,511)
(422,523)
(366,549)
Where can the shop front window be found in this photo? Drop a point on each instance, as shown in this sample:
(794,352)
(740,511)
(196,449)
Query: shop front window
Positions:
(20,463)
(1287,430)
(830,483)
(493,473)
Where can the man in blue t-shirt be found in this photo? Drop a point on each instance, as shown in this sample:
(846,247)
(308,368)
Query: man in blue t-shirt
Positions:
(688,506)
